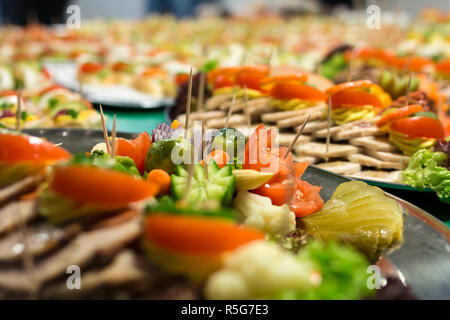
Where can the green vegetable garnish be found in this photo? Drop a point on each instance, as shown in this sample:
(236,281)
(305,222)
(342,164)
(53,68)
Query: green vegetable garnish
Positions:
(103,160)
(160,156)
(425,170)
(218,187)
(342,269)
(167,205)
(231,141)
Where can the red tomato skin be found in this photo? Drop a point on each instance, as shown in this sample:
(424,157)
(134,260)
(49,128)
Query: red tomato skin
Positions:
(222,81)
(419,127)
(289,90)
(20,149)
(306,199)
(354,98)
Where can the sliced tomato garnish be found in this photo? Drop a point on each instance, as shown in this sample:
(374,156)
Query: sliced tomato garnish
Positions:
(399,113)
(154,72)
(291,90)
(90,67)
(135,149)
(197,235)
(222,81)
(16,148)
(120,66)
(8,93)
(417,127)
(443,66)
(359,84)
(306,199)
(410,63)
(100,186)
(228,72)
(250,78)
(354,99)
(268,83)
(181,78)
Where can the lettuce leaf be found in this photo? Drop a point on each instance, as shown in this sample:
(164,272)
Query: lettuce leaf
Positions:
(425,170)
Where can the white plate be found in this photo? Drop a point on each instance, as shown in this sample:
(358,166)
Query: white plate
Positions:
(65,74)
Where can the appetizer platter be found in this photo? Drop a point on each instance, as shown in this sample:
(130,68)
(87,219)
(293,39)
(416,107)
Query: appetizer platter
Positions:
(114,94)
(190,231)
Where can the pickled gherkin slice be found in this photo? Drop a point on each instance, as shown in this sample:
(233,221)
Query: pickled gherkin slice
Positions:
(360,215)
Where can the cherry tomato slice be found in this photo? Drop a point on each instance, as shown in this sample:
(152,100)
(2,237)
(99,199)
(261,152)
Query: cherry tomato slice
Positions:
(417,127)
(290,90)
(90,67)
(399,113)
(354,98)
(17,148)
(101,186)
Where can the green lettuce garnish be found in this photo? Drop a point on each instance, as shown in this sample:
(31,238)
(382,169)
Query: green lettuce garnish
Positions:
(343,271)
(103,160)
(425,170)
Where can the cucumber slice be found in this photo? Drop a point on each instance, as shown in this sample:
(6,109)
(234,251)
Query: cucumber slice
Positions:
(218,187)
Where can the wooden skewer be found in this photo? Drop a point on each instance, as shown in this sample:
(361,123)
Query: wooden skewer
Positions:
(349,70)
(328,129)
(105,132)
(299,132)
(19,110)
(201,92)
(248,116)
(113,138)
(230,110)
(188,105)
(408,89)
(203,149)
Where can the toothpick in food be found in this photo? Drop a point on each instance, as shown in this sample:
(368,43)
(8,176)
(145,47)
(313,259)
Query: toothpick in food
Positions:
(113,138)
(299,132)
(188,105)
(19,110)
(328,128)
(105,132)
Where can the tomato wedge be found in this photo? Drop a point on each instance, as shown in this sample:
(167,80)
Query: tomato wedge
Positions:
(306,199)
(399,113)
(16,148)
(222,81)
(411,63)
(443,66)
(154,72)
(249,79)
(90,67)
(197,235)
(7,93)
(290,90)
(100,186)
(181,78)
(359,84)
(135,149)
(258,149)
(417,127)
(120,66)
(354,99)
(268,83)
